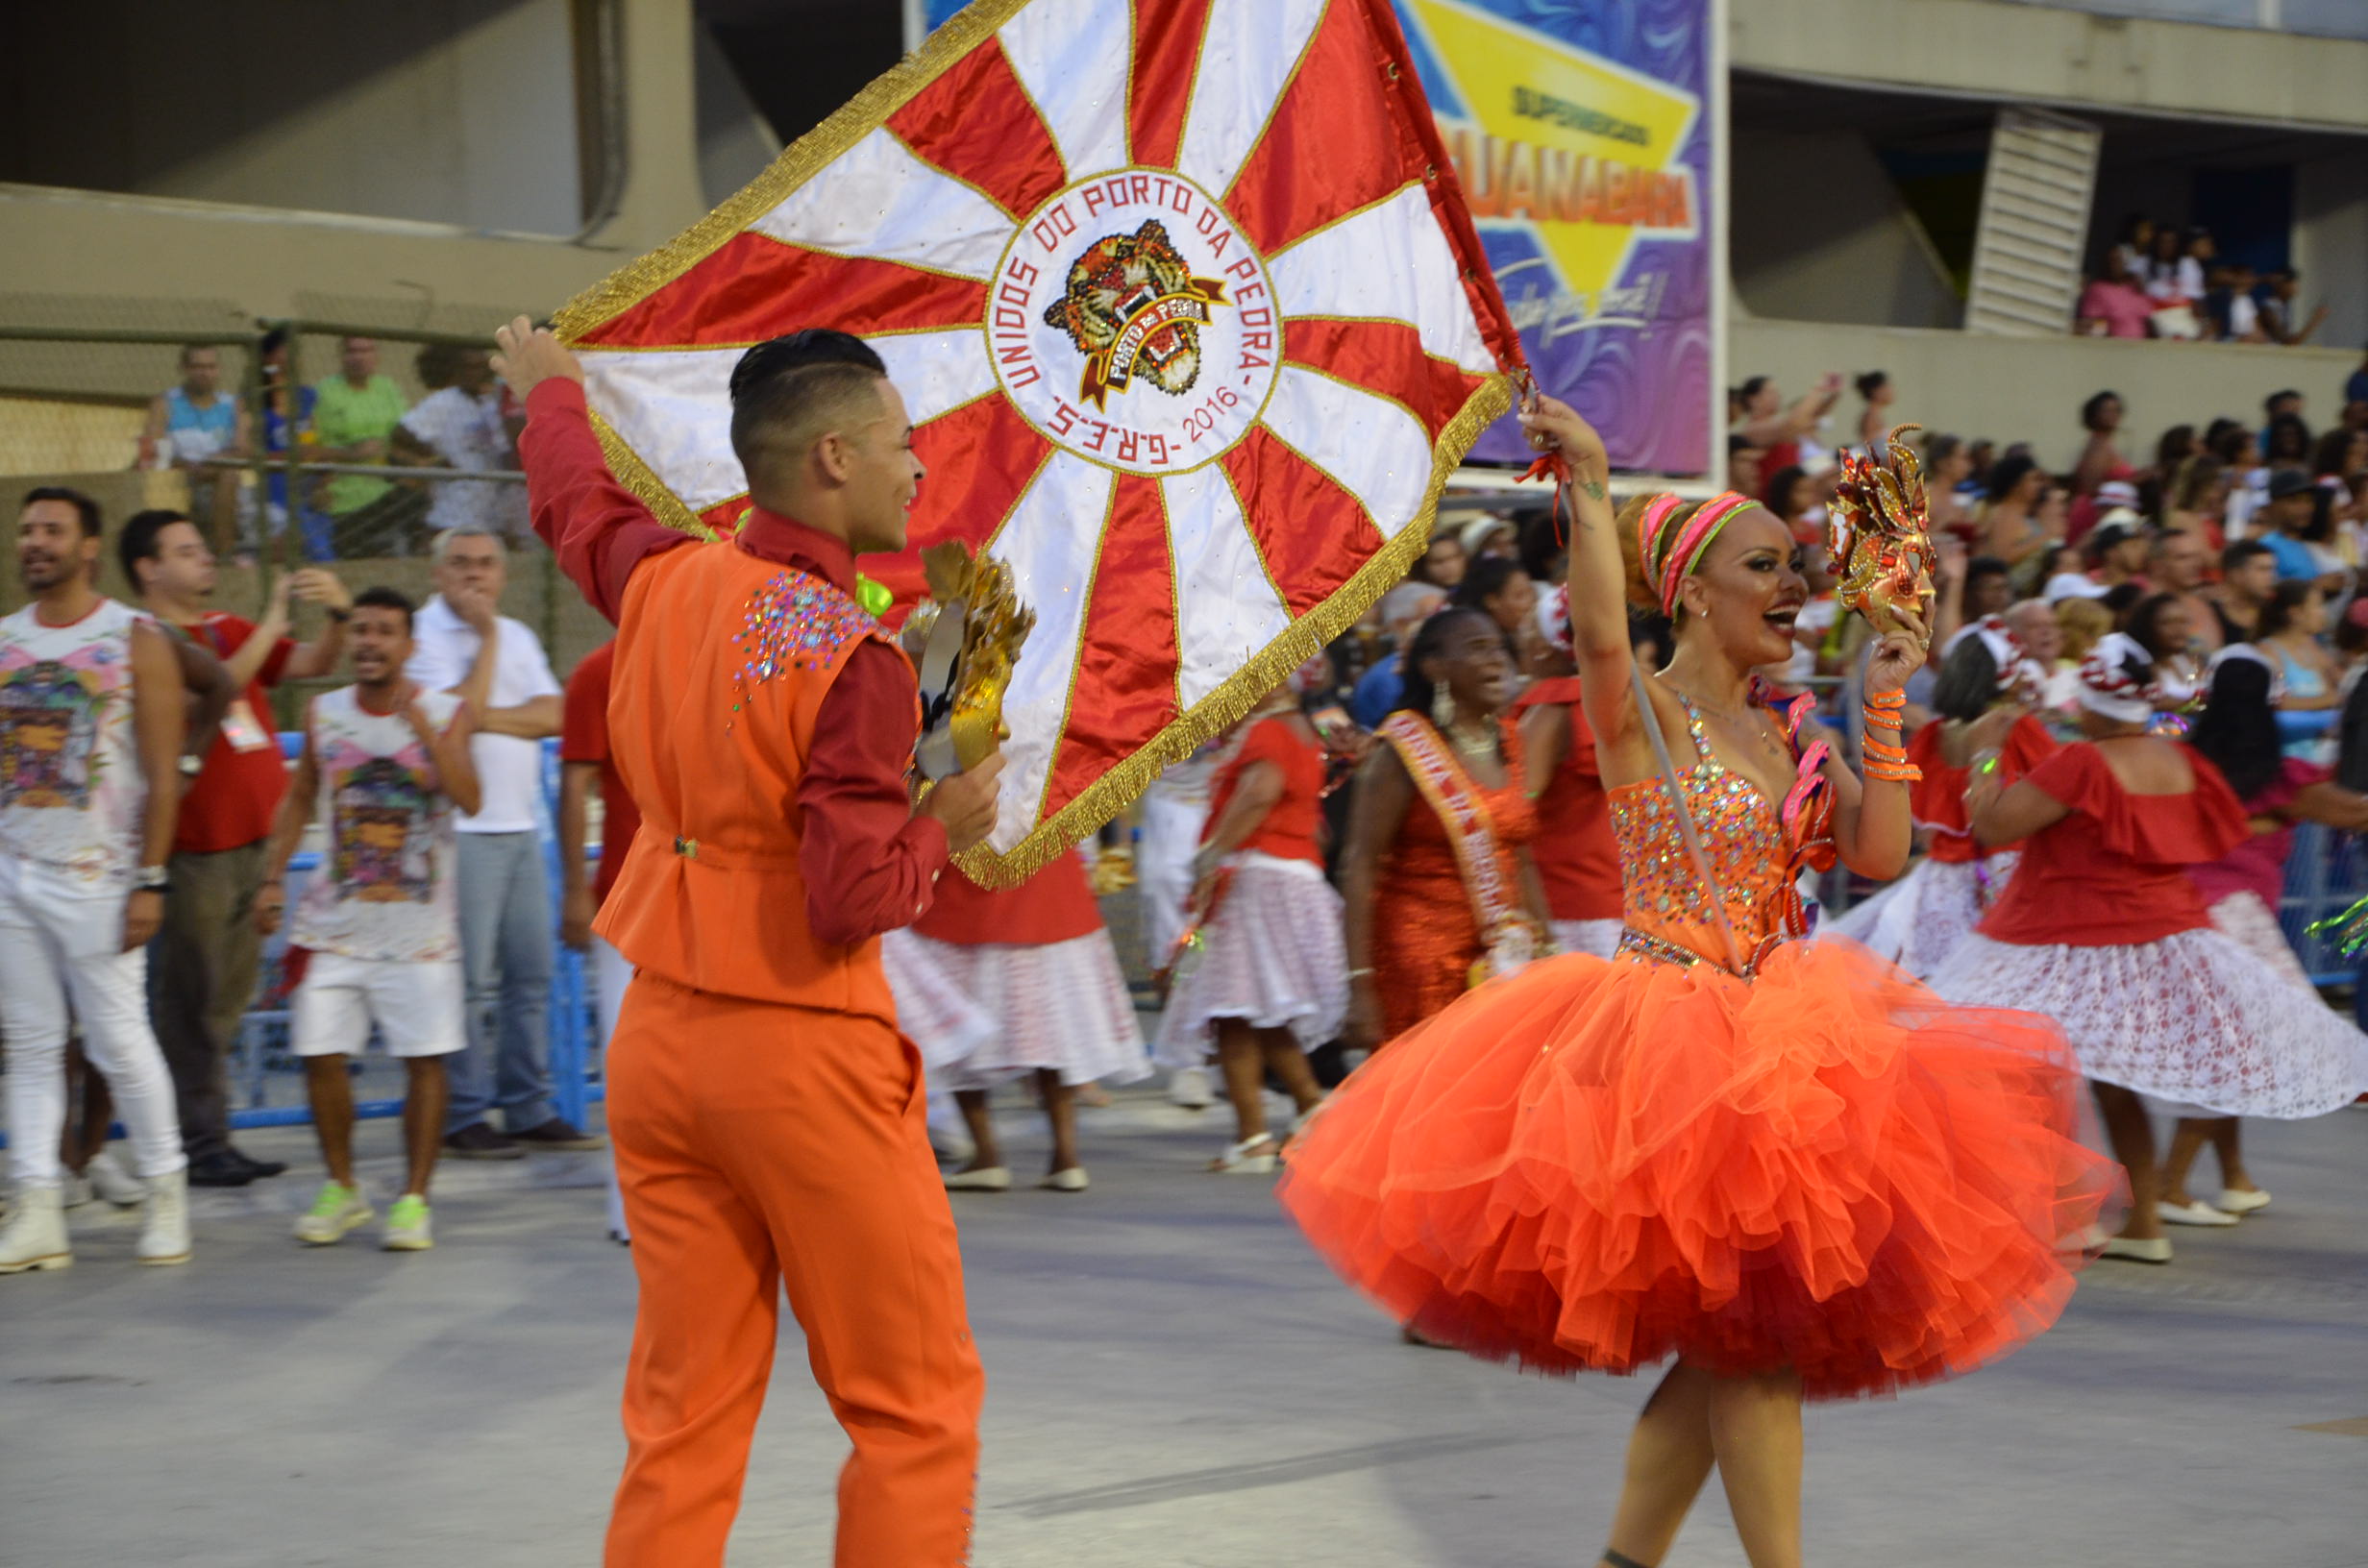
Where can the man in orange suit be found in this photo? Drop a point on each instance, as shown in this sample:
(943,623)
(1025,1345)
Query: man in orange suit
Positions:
(767,1115)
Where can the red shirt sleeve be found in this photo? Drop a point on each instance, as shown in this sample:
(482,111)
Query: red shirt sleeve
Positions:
(599,529)
(584,722)
(870,864)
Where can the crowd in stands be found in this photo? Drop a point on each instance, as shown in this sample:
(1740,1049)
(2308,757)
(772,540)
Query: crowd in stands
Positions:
(2158,280)
(358,417)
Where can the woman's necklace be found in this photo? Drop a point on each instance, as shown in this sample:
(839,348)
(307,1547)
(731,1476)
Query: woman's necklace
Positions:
(1472,739)
(1742,722)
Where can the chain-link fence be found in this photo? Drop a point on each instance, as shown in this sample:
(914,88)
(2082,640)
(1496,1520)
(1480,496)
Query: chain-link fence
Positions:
(339,442)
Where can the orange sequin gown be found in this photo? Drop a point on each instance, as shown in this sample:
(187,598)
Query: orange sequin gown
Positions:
(1425,938)
(1601,1164)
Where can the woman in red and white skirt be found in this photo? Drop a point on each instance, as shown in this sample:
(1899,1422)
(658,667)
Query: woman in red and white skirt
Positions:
(2102,930)
(1271,983)
(2239,732)
(1038,961)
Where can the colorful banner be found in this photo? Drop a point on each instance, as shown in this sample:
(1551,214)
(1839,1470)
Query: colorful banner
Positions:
(1582,135)
(1190,321)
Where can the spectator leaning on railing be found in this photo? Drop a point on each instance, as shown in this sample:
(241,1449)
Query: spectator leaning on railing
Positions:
(354,413)
(194,421)
(459,425)
(201,973)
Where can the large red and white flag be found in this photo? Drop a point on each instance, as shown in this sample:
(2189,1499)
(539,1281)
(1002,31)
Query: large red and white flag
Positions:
(1187,307)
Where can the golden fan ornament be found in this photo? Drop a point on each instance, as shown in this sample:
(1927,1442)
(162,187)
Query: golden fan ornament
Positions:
(968,632)
(1879,529)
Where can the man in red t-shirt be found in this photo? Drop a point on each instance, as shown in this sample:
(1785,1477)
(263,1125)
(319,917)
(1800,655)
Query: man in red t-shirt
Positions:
(585,767)
(202,974)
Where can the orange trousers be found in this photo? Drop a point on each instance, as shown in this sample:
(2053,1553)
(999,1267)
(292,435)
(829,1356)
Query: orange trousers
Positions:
(762,1146)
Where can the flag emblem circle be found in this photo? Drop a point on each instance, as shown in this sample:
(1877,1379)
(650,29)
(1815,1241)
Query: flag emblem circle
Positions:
(1132,323)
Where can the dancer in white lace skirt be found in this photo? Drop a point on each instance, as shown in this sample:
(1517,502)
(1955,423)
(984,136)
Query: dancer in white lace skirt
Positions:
(1038,962)
(1983,698)
(2102,930)
(2238,731)
(1271,983)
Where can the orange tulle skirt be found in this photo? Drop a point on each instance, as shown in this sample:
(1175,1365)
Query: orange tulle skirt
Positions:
(1598,1165)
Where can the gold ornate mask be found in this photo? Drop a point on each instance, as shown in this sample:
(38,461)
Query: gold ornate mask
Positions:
(1879,528)
(968,634)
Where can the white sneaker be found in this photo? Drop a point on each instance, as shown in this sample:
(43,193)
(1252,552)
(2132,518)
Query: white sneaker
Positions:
(165,1237)
(1189,1087)
(335,1211)
(112,1182)
(34,1236)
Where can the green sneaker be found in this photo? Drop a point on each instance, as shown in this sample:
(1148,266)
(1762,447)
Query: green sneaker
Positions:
(407,1225)
(335,1211)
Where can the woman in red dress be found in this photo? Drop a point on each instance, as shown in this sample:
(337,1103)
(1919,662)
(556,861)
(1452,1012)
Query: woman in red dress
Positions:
(1780,1162)
(1577,862)
(1983,701)
(2239,734)
(1436,882)
(1036,964)
(1272,982)
(2103,931)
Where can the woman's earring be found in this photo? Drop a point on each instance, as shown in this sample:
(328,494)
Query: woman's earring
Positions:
(1443,708)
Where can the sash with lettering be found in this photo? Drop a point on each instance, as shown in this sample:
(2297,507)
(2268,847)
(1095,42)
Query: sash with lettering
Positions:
(1191,323)
(1508,934)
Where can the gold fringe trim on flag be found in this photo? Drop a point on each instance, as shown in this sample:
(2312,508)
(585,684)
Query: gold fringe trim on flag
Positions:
(626,466)
(1230,703)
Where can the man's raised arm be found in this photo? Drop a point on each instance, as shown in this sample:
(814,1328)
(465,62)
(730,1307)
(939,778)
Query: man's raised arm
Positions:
(599,529)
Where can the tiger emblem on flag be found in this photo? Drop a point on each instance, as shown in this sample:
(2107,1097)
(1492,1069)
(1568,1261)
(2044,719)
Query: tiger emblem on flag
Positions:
(1132,306)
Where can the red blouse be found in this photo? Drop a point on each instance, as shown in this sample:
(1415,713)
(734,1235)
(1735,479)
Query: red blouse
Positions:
(1576,859)
(2114,872)
(1937,800)
(1055,905)
(1289,829)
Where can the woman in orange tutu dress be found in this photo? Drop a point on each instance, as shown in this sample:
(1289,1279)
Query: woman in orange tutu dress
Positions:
(1435,872)
(1782,1163)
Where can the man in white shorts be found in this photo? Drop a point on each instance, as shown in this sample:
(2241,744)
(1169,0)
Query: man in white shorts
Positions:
(386,766)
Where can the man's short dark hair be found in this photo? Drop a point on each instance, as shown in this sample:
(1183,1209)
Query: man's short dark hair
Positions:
(85,507)
(2234,559)
(1739,441)
(2271,402)
(137,540)
(383,597)
(1985,565)
(779,379)
(2089,409)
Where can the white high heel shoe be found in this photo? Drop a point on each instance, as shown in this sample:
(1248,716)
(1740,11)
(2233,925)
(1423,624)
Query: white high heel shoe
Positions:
(1071,1180)
(1251,1157)
(989,1178)
(2242,1203)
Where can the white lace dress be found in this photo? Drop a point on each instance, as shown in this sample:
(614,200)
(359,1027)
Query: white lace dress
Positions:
(2192,1018)
(1919,921)
(1275,958)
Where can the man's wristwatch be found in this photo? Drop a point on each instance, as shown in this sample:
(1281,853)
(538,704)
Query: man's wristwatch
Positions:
(191,767)
(150,879)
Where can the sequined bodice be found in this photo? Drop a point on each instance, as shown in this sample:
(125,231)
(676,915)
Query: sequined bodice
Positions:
(1756,849)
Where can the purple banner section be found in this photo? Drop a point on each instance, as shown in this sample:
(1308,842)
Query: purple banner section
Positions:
(1581,132)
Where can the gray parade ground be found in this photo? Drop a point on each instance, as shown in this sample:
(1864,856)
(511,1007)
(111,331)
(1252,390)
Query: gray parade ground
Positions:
(1175,1380)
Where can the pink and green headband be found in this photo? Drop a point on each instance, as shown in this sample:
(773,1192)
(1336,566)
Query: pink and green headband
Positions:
(1694,539)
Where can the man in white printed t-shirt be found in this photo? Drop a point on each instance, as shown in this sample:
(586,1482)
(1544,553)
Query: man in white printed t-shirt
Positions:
(385,766)
(91,721)
(507,927)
